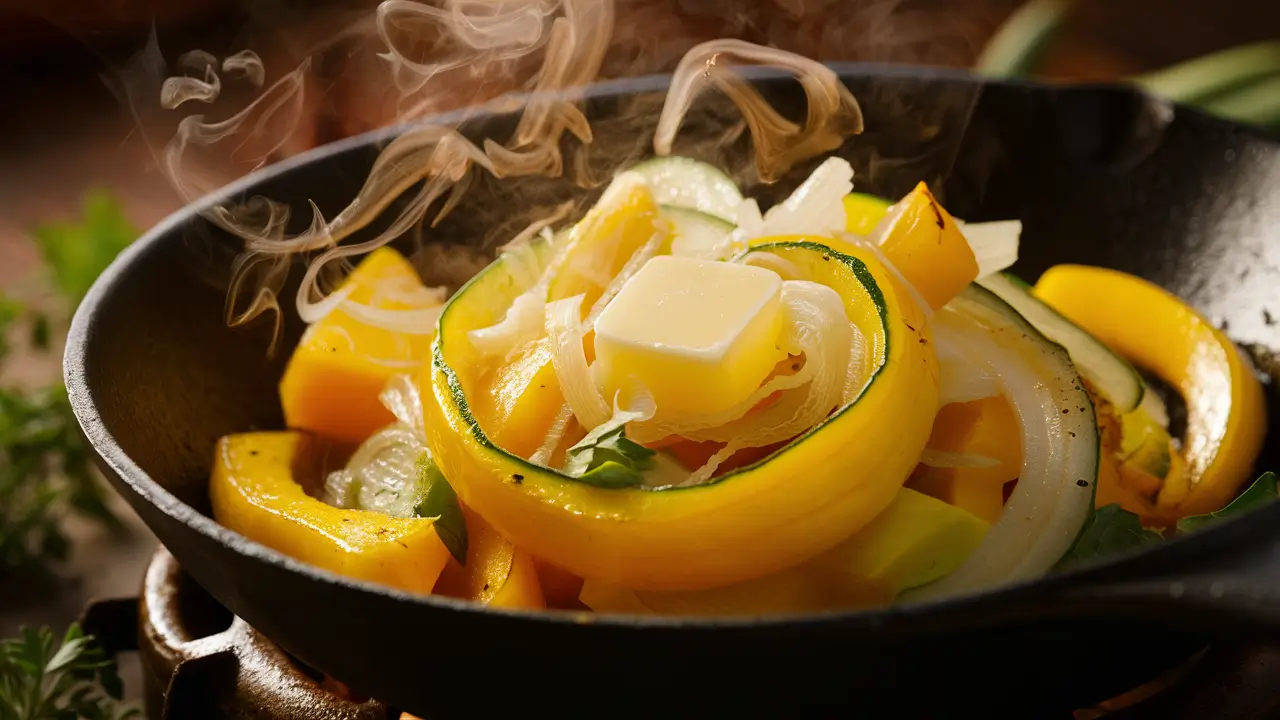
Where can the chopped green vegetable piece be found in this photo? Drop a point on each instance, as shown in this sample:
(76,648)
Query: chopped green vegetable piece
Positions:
(606,458)
(441,503)
(1261,492)
(40,680)
(1110,530)
(76,253)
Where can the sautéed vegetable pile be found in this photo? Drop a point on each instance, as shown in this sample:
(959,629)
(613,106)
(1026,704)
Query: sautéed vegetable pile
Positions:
(682,405)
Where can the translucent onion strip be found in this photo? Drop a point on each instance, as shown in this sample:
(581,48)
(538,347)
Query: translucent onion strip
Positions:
(382,474)
(858,372)
(994,244)
(817,206)
(961,378)
(564,327)
(559,426)
(1059,449)
(524,322)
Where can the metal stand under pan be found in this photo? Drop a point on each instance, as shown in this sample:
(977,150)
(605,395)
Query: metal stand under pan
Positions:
(200,663)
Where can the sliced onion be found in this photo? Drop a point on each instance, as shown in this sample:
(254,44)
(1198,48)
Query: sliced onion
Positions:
(642,255)
(564,327)
(1059,447)
(748,218)
(382,474)
(961,378)
(785,269)
(524,321)
(313,312)
(555,434)
(944,459)
(403,399)
(858,373)
(994,244)
(817,206)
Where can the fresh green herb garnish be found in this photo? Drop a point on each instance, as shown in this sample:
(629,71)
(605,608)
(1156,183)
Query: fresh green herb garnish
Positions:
(45,475)
(606,458)
(41,680)
(45,469)
(1110,530)
(1262,491)
(77,253)
(441,503)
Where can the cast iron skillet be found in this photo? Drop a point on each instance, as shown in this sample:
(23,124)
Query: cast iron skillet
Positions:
(1097,175)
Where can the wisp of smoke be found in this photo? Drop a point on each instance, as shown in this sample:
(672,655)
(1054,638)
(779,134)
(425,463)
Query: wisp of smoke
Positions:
(547,52)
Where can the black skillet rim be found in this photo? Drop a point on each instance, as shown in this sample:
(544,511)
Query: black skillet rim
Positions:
(952,612)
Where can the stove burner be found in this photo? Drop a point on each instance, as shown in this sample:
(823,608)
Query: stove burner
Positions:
(201,662)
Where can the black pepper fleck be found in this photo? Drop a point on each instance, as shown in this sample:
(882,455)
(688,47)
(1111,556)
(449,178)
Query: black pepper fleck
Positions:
(1071,433)
(909,327)
(254,453)
(1066,410)
(517,478)
(1082,483)
(486,586)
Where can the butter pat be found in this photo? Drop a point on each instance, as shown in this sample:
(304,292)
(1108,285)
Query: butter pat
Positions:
(700,335)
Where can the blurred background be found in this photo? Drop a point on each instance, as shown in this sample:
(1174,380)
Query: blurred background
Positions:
(82,132)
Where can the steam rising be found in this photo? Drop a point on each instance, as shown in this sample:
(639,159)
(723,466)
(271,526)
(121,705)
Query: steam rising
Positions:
(535,56)
(833,114)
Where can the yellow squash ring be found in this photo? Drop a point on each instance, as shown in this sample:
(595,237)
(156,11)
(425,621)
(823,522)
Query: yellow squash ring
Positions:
(1154,329)
(799,502)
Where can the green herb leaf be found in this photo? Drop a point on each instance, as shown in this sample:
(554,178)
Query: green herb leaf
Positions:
(441,503)
(1110,530)
(1263,491)
(76,253)
(606,458)
(43,680)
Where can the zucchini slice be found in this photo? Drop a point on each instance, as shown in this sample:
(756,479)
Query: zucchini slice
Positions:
(1111,375)
(688,183)
(697,234)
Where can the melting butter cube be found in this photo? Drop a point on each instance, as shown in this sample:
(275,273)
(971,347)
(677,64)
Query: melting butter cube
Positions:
(700,335)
